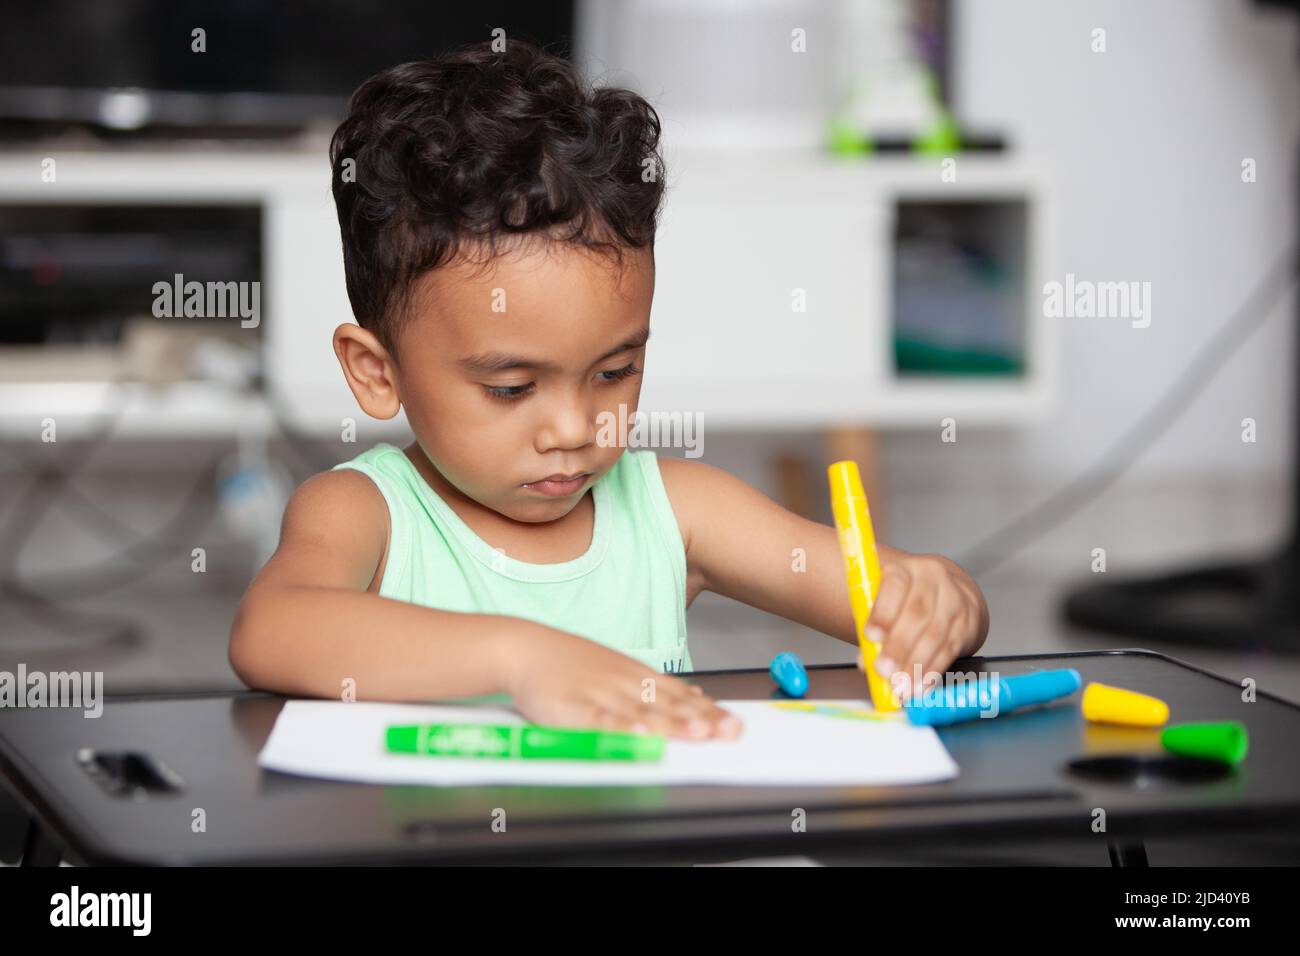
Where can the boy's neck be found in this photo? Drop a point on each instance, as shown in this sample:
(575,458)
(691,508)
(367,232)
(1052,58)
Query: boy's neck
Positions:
(473,513)
(539,543)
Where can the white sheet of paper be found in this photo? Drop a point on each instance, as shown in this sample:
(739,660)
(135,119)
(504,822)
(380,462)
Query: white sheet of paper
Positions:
(345,741)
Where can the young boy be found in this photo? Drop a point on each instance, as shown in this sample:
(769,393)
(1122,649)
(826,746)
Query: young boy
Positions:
(498,238)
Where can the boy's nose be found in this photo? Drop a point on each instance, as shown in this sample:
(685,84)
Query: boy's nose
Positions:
(569,424)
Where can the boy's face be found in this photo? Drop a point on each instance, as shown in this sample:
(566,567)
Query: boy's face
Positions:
(504,371)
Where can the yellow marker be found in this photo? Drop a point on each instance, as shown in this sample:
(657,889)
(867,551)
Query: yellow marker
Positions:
(862,566)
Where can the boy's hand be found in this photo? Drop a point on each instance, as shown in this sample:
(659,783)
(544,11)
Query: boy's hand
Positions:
(563,680)
(928,613)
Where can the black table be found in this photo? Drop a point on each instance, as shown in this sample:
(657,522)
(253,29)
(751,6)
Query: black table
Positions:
(1014,786)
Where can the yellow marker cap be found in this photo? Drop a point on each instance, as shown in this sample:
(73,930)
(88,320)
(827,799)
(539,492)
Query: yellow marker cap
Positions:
(1104,704)
(861,567)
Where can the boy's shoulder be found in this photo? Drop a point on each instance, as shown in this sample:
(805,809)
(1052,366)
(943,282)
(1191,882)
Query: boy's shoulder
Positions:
(340,503)
(378,455)
(334,529)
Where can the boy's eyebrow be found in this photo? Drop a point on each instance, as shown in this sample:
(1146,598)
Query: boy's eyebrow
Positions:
(500,361)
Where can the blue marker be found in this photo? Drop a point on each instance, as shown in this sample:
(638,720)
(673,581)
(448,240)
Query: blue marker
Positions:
(788,673)
(979,698)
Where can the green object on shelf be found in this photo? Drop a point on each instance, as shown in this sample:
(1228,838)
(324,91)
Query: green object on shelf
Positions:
(1225,742)
(917,355)
(942,139)
(846,140)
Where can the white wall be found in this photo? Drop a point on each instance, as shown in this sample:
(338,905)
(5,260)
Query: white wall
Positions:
(1144,143)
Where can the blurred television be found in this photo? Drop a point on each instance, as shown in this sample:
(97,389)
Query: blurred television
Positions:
(129,66)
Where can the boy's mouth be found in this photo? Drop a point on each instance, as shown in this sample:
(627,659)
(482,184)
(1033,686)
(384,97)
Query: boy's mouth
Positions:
(558,486)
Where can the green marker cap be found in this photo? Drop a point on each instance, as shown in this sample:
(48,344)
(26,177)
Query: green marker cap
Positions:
(521,741)
(1225,742)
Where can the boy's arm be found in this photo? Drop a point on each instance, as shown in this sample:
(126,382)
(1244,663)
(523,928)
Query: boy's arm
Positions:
(307,622)
(742,544)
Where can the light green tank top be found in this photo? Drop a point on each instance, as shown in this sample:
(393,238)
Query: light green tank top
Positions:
(628,591)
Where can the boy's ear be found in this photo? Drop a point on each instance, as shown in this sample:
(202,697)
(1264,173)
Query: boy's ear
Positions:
(369,369)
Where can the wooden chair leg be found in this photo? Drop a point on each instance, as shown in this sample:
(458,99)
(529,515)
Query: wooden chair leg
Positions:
(802,488)
(794,483)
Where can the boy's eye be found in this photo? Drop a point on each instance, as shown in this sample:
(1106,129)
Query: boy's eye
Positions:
(615,374)
(509,393)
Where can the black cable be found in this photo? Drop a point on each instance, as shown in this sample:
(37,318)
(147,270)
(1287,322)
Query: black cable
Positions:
(156,547)
(1007,541)
(29,507)
(49,484)
(150,551)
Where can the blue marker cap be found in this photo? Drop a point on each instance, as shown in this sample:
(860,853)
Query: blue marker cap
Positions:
(788,673)
(959,702)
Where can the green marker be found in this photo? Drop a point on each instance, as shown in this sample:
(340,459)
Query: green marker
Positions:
(521,741)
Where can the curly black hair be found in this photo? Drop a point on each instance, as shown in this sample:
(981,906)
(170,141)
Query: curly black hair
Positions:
(453,154)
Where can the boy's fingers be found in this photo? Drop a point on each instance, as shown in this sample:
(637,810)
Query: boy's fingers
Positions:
(690,726)
(688,715)
(928,655)
(947,648)
(662,722)
(915,620)
(678,710)
(889,600)
(648,717)
(718,722)
(726,724)
(607,717)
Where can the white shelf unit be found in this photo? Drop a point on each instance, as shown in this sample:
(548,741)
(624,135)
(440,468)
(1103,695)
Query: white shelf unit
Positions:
(739,233)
